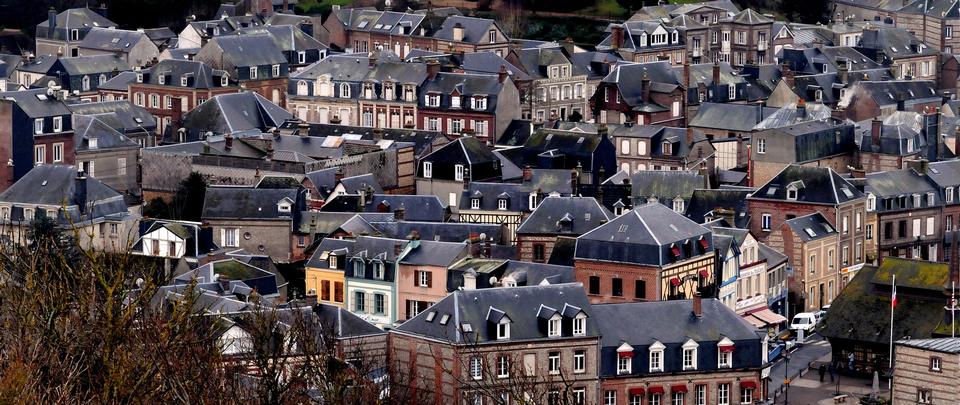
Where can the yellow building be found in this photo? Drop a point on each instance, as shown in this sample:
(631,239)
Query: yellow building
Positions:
(324,273)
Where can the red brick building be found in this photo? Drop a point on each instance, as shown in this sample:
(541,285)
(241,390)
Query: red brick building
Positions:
(656,98)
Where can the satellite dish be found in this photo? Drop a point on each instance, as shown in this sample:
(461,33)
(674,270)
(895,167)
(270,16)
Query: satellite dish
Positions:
(493,280)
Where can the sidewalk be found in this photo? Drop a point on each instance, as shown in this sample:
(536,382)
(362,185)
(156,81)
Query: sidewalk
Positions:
(808,390)
(816,348)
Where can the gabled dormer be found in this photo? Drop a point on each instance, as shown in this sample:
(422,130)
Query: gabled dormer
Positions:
(725,349)
(550,321)
(656,357)
(503,201)
(475,200)
(793,190)
(624,359)
(689,359)
(285,206)
(565,223)
(499,324)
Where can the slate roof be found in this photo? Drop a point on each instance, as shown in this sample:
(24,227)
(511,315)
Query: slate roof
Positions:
(433,253)
(240,113)
(730,117)
(750,17)
(662,77)
(641,236)
(820,185)
(474,29)
(664,185)
(704,202)
(565,216)
(946,173)
(74,18)
(246,203)
(943,9)
(35,103)
(362,182)
(885,93)
(522,305)
(629,323)
(287,37)
(942,345)
(120,82)
(490,63)
(85,65)
(344,323)
(90,127)
(896,43)
(121,115)
(111,40)
(811,227)
(490,194)
(250,50)
(791,115)
(56,185)
(467,84)
(896,183)
(438,231)
(416,207)
(199,75)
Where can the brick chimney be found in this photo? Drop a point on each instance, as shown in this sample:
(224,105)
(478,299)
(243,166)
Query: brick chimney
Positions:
(458,32)
(716,73)
(689,136)
(80,191)
(697,305)
(645,88)
(616,36)
(399,214)
(787,74)
(686,74)
(433,68)
(502,74)
(228,141)
(527,173)
(338,175)
(876,127)
(574,180)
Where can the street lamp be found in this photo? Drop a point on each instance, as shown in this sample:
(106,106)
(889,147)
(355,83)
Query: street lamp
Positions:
(786,375)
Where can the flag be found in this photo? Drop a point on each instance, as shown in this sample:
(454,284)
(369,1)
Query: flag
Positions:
(893,297)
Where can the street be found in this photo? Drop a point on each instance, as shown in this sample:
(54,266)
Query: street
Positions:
(814,348)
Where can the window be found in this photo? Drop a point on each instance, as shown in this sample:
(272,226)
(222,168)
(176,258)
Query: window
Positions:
(231,237)
(594,284)
(724,359)
(378,270)
(224,81)
(930,226)
(492,36)
(121,162)
(476,367)
(655,399)
(301,57)
(858,221)
(503,367)
(475,205)
(761,145)
(503,329)
(427,170)
(85,83)
(635,399)
(947,32)
(617,289)
(625,146)
(700,395)
(690,355)
(39,154)
(677,398)
(553,326)
(579,396)
(433,100)
(359,268)
(723,394)
(253,72)
(869,232)
(640,290)
(936,363)
(624,364)
(579,325)
(732,92)
(478,103)
(656,358)
(746,395)
(553,363)
(924,396)
(74,35)
(154,101)
(58,152)
(359,301)
(38,126)
(458,172)
(609,397)
(424,278)
(379,304)
(579,361)
(765,221)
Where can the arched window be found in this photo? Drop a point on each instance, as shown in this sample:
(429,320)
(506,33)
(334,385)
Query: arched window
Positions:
(103,79)
(344,90)
(302,88)
(85,83)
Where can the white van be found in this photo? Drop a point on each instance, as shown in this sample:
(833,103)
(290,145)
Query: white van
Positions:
(805,321)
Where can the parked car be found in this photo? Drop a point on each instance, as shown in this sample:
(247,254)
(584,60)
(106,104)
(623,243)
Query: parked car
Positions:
(805,321)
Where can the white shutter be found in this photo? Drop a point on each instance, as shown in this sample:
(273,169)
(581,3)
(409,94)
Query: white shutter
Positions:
(223,237)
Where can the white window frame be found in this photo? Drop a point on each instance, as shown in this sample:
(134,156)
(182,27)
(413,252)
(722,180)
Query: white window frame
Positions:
(765,221)
(253,72)
(761,145)
(38,126)
(503,367)
(503,329)
(656,357)
(57,124)
(58,152)
(427,170)
(474,203)
(502,204)
(553,363)
(553,326)
(476,367)
(458,172)
(39,154)
(690,355)
(579,325)
(579,361)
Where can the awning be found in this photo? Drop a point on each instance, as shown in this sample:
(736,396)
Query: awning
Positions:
(748,385)
(756,322)
(704,244)
(678,388)
(675,251)
(675,281)
(726,348)
(656,389)
(769,317)
(636,391)
(625,355)
(704,274)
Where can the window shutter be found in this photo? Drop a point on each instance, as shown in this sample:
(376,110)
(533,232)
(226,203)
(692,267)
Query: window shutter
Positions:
(429,279)
(406,305)
(416,279)
(223,237)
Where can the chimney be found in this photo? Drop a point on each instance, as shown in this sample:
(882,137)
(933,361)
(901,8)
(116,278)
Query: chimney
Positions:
(838,114)
(697,305)
(286,6)
(616,36)
(603,131)
(399,214)
(876,127)
(574,179)
(527,173)
(469,280)
(502,74)
(901,101)
(686,74)
(689,136)
(228,141)
(269,149)
(338,175)
(80,191)
(716,73)
(486,249)
(51,21)
(801,108)
(433,67)
(946,96)
(377,133)
(843,70)
(458,32)
(645,88)
(787,74)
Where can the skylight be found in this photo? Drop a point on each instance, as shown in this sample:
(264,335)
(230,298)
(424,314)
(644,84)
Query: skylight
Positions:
(431,315)
(444,319)
(810,232)
(847,192)
(623,228)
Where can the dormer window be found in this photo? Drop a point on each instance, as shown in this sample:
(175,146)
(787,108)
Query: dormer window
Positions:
(359,268)
(224,80)
(916,200)
(656,357)
(454,101)
(458,171)
(624,359)
(433,100)
(690,355)
(378,270)
(871,202)
(678,205)
(930,199)
(427,170)
(553,326)
(253,72)
(479,103)
(275,70)
(532,201)
(139,77)
(332,261)
(725,353)
(183,81)
(161,79)
(503,329)
(667,148)
(502,204)
(368,91)
(580,324)
(474,203)
(792,193)
(283,206)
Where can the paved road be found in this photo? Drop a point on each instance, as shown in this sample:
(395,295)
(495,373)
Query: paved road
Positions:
(814,348)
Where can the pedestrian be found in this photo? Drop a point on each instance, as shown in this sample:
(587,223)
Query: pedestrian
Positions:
(850,359)
(823,371)
(833,372)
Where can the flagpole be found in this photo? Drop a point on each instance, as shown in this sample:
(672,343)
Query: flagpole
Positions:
(893,304)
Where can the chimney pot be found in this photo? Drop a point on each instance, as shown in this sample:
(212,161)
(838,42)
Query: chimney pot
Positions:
(697,305)
(876,127)
(527,173)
